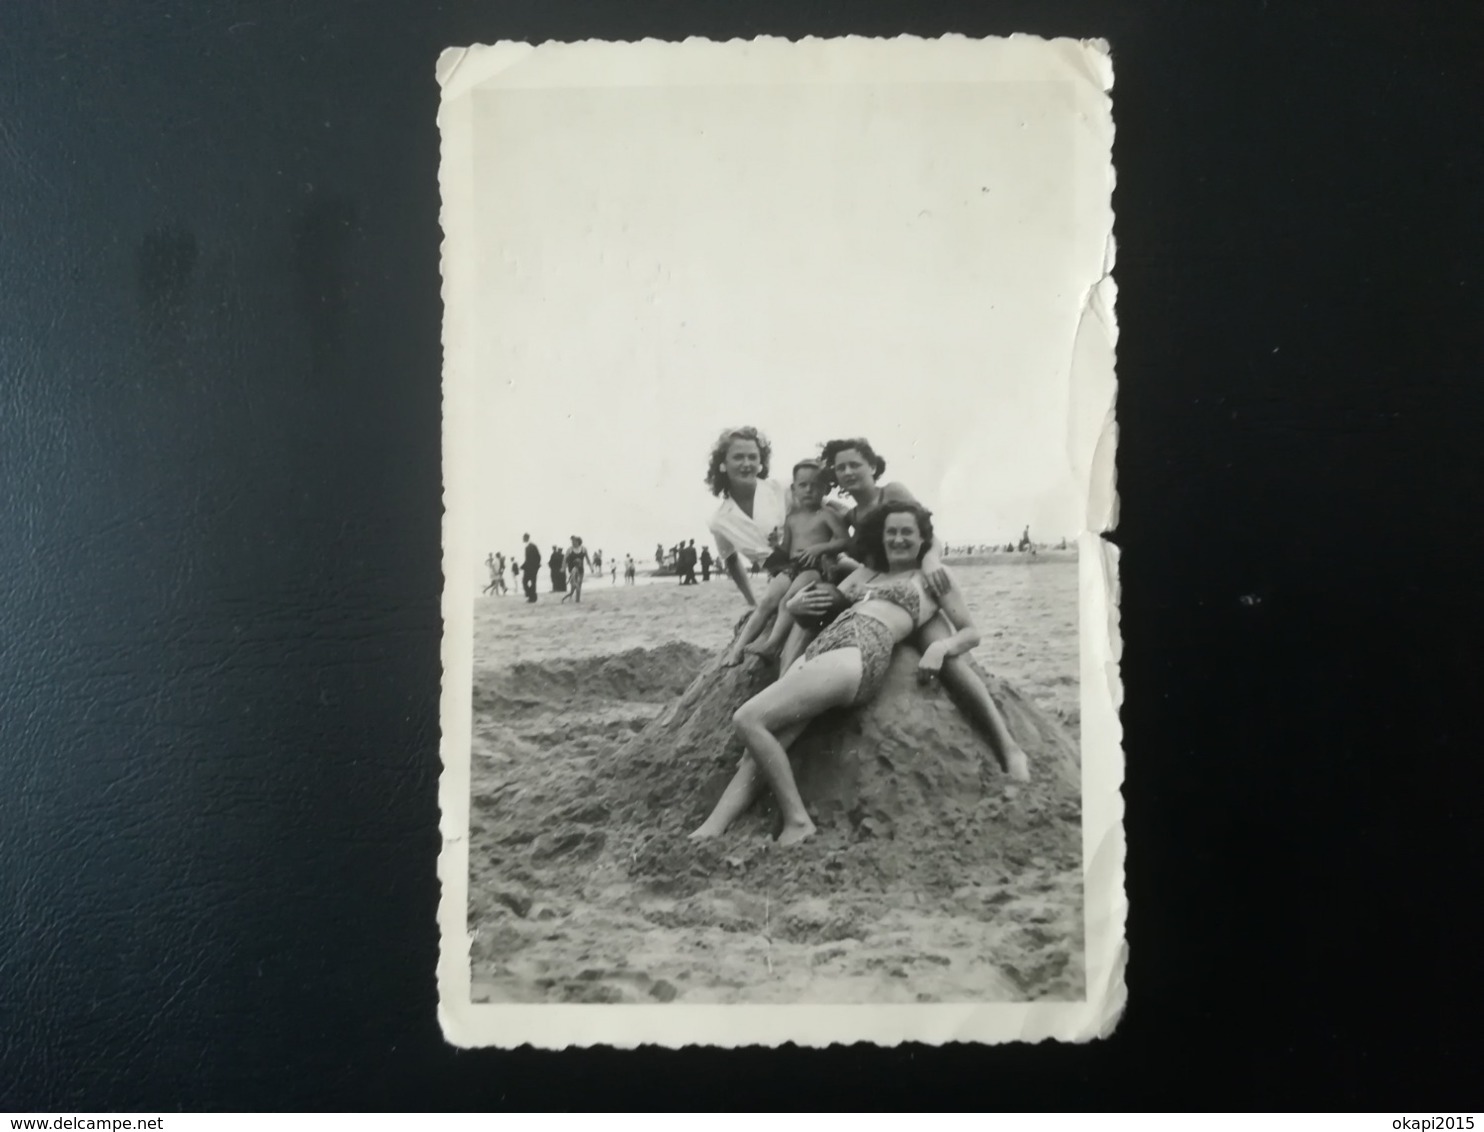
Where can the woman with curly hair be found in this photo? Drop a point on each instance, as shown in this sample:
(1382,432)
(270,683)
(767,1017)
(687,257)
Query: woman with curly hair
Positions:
(749,522)
(853,466)
(847,663)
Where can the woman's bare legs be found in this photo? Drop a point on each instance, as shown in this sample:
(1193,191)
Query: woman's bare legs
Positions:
(959,677)
(768,723)
(784,622)
(798,640)
(780,710)
(741,792)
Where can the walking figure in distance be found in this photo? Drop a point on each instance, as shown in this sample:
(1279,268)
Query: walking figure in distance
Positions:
(576,563)
(531,567)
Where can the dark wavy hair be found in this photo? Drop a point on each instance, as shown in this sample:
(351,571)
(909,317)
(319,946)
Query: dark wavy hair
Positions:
(716,470)
(832,448)
(870,536)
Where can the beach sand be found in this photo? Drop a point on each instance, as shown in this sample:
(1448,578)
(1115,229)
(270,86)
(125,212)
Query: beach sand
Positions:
(584,889)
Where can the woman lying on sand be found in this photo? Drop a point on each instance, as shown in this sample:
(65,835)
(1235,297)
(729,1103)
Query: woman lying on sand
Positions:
(854,467)
(847,663)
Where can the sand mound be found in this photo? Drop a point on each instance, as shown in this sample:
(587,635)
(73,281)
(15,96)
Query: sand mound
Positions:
(933,877)
(909,764)
(638,675)
(906,767)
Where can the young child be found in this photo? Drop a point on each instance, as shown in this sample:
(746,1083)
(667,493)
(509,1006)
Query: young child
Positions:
(812,536)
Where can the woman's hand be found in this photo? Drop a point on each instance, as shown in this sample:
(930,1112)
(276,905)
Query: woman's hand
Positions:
(930,667)
(934,576)
(811,601)
(808,557)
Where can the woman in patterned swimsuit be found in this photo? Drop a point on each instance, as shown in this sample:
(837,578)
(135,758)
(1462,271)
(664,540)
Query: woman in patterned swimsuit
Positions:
(845,664)
(853,466)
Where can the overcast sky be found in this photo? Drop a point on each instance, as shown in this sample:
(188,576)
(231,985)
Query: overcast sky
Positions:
(890,261)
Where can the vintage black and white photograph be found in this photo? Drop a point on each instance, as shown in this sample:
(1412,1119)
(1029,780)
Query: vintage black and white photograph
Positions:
(780,658)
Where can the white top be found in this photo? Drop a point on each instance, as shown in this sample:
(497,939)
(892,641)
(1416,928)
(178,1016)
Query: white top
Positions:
(737,533)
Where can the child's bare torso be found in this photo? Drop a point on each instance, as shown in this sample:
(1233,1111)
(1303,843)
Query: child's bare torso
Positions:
(808,529)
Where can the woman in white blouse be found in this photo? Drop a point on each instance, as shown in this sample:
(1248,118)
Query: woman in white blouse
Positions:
(749,522)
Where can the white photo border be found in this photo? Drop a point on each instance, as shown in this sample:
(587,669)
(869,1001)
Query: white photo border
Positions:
(1091,445)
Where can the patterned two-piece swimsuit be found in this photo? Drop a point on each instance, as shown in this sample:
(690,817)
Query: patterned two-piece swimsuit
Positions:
(856,630)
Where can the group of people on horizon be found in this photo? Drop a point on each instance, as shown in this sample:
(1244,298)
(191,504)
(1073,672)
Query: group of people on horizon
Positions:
(684,559)
(847,587)
(568,569)
(1026,545)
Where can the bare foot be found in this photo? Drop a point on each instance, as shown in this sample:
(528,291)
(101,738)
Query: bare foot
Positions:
(764,650)
(793,834)
(1017,766)
(705,833)
(733,658)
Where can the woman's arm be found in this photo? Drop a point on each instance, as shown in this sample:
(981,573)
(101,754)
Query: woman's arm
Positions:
(738,573)
(964,638)
(934,574)
(814,598)
(840,539)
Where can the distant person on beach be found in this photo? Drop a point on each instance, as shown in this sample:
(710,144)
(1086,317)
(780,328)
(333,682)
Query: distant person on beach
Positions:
(846,664)
(628,569)
(613,571)
(557,564)
(659,556)
(515,567)
(812,536)
(532,566)
(853,466)
(496,567)
(688,563)
(705,563)
(749,522)
(576,569)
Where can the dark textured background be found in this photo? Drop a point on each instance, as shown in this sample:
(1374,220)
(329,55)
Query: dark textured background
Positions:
(219,413)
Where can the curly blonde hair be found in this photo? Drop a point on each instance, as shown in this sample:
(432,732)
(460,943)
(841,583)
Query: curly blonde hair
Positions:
(716,470)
